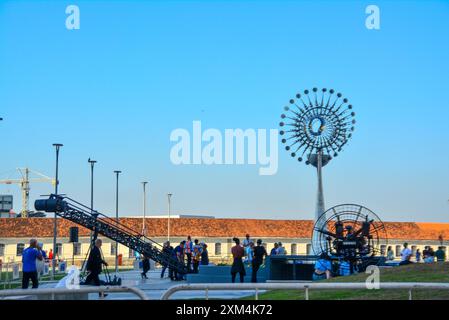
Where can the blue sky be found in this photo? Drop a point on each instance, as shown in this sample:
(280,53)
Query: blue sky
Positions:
(135,71)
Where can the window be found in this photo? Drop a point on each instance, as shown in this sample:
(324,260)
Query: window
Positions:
(113,249)
(218,249)
(398,251)
(294,249)
(383,250)
(76,248)
(2,249)
(20,248)
(131,253)
(58,250)
(413,250)
(309,249)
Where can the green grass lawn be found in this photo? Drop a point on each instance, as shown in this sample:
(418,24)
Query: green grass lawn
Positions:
(437,272)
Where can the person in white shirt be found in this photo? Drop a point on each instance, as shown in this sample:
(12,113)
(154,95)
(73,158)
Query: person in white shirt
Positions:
(281,250)
(406,254)
(247,241)
(247,246)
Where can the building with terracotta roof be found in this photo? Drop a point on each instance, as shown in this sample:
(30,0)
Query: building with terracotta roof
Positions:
(216,233)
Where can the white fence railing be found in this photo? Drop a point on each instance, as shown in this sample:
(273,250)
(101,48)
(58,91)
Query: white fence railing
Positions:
(257,287)
(54,292)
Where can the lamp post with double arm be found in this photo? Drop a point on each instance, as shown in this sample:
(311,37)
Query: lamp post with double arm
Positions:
(117,173)
(55,219)
(144,230)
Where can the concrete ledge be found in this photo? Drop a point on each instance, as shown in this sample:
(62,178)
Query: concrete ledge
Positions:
(68,296)
(222,274)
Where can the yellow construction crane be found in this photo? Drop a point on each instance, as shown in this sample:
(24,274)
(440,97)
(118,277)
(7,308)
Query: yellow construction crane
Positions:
(24,183)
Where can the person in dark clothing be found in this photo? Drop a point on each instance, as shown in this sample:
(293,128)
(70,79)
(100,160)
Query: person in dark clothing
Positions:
(237,267)
(29,257)
(204,256)
(169,251)
(172,274)
(273,251)
(179,253)
(164,265)
(259,254)
(94,265)
(440,254)
(145,266)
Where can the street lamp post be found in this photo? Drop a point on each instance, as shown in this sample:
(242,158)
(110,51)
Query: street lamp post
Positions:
(169,212)
(117,172)
(144,231)
(92,164)
(55,222)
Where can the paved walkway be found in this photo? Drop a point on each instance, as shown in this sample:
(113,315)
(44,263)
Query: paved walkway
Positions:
(155,287)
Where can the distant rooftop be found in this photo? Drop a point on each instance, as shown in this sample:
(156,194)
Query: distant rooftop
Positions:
(175,216)
(157,227)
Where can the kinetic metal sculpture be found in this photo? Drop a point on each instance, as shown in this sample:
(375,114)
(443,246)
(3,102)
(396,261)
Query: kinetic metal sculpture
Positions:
(351,233)
(317,125)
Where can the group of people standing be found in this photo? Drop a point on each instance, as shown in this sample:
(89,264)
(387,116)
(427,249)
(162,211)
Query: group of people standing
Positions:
(189,253)
(249,246)
(256,252)
(428,255)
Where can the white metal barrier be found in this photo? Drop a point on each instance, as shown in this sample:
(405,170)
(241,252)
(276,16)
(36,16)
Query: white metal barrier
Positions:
(410,286)
(53,292)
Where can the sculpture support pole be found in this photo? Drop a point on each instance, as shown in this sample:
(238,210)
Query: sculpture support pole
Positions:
(320,209)
(320,197)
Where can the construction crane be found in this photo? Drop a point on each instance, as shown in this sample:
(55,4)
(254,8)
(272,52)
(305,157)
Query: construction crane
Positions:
(24,183)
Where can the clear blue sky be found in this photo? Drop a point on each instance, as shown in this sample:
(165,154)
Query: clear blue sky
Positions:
(116,88)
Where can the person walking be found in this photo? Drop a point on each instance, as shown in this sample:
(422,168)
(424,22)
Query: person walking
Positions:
(259,254)
(29,271)
(165,249)
(94,265)
(237,266)
(145,266)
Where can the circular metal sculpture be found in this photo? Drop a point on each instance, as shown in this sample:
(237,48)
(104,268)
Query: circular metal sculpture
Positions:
(321,123)
(315,127)
(350,233)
